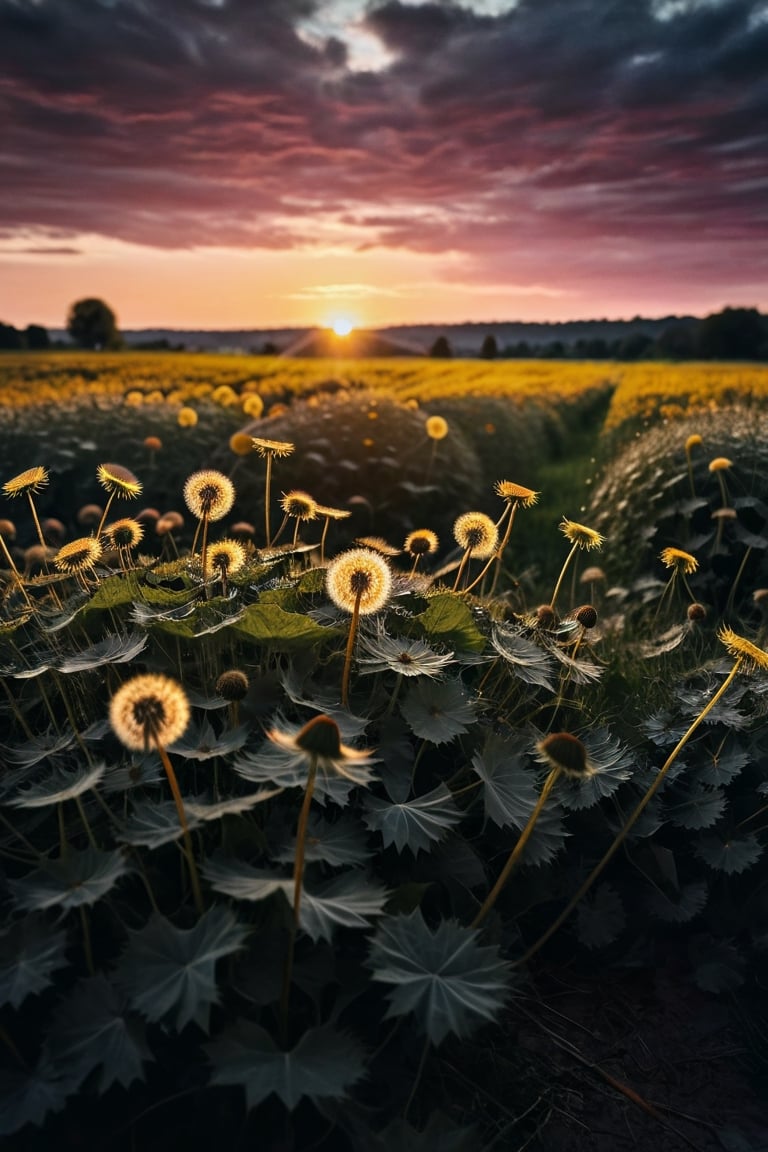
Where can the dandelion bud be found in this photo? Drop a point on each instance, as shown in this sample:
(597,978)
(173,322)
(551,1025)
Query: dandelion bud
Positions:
(696,613)
(232,685)
(586,616)
(566,752)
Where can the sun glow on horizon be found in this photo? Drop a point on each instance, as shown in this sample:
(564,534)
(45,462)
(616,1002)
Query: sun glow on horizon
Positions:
(342,325)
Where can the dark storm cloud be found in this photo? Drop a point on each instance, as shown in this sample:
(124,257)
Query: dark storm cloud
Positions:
(183,122)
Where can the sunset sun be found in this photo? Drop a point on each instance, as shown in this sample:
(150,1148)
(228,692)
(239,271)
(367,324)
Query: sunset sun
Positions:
(342,325)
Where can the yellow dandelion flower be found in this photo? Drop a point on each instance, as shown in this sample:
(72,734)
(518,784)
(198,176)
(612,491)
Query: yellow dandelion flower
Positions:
(678,560)
(241,444)
(299,505)
(333,513)
(78,555)
(719,464)
(134,398)
(359,573)
(227,556)
(422,542)
(125,533)
(149,708)
(118,481)
(516,493)
(209,494)
(272,447)
(477,534)
(580,535)
(693,441)
(436,427)
(225,395)
(33,480)
(187,418)
(377,544)
(253,405)
(748,654)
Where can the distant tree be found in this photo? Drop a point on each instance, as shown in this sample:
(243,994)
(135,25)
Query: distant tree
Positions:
(555,350)
(441,349)
(677,341)
(92,324)
(10,338)
(733,334)
(635,346)
(36,337)
(520,351)
(490,348)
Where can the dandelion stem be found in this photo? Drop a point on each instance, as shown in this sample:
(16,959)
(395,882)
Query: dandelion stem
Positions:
(193,876)
(350,648)
(462,566)
(558,585)
(633,818)
(517,851)
(298,876)
(105,513)
(267,491)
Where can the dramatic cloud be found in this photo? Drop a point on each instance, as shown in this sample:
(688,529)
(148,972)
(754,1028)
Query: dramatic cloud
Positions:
(548,142)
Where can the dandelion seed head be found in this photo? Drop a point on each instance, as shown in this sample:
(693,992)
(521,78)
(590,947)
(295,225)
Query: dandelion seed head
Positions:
(422,542)
(149,708)
(32,480)
(299,505)
(125,533)
(225,556)
(592,575)
(720,464)
(693,441)
(187,418)
(7,529)
(78,555)
(241,444)
(377,544)
(359,572)
(319,740)
(477,534)
(678,560)
(232,685)
(209,493)
(333,513)
(579,534)
(253,405)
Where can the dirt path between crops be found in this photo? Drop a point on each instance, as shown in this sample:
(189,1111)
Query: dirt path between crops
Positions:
(683,1052)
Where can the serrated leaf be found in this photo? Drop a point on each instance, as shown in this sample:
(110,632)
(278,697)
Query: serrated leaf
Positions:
(30,951)
(59,786)
(115,591)
(437,710)
(600,917)
(113,649)
(170,972)
(415,823)
(723,766)
(346,901)
(681,907)
(448,619)
(269,624)
(153,823)
(80,878)
(337,843)
(509,792)
(28,1097)
(611,763)
(698,807)
(730,856)
(205,810)
(90,1030)
(446,978)
(323,1065)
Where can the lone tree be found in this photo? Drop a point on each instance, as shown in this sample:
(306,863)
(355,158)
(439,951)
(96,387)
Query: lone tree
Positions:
(490,348)
(441,348)
(92,324)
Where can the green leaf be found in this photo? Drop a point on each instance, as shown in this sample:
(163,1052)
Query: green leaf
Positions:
(730,856)
(90,1030)
(414,824)
(600,918)
(446,978)
(346,901)
(679,907)
(30,951)
(323,1065)
(509,792)
(78,879)
(28,1097)
(116,591)
(269,624)
(437,711)
(170,972)
(449,619)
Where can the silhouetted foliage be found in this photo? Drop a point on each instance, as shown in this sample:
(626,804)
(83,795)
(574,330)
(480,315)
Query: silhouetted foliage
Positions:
(92,324)
(733,334)
(36,338)
(10,337)
(490,348)
(441,349)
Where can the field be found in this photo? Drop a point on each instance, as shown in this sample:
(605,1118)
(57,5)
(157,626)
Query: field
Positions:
(354,713)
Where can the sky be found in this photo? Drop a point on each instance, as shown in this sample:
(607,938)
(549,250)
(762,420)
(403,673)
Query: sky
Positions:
(269,163)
